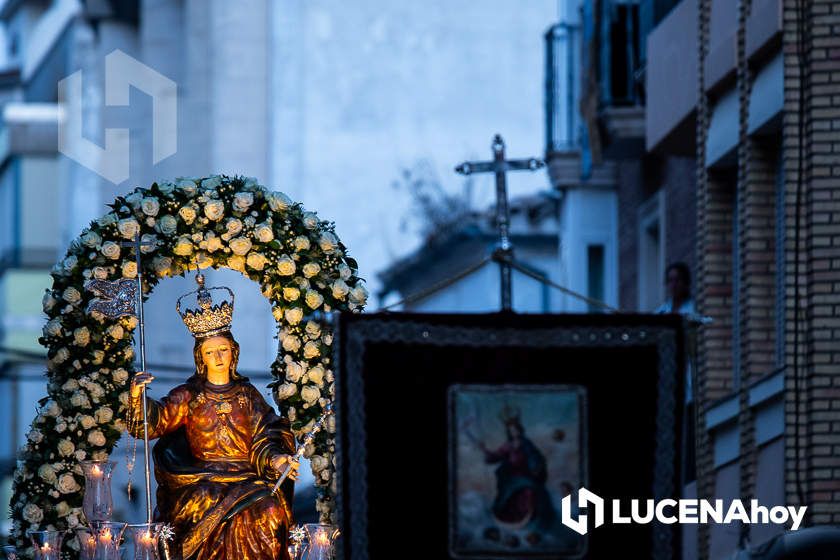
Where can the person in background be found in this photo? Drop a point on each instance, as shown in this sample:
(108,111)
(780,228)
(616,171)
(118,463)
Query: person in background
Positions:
(678,286)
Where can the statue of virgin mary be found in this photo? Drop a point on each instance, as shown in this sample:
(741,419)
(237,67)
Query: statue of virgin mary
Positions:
(220,448)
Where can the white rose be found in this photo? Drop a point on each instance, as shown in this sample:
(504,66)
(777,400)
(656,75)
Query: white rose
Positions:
(242,201)
(51,408)
(128,228)
(96,438)
(120,375)
(187,186)
(294,371)
(328,242)
(294,315)
(111,250)
(344,271)
(359,294)
(310,220)
(211,182)
(33,514)
(66,447)
(62,508)
(148,242)
(48,302)
(311,350)
(264,233)
(331,423)
(67,484)
(167,225)
(278,202)
(162,265)
(81,336)
(316,375)
(277,313)
(129,269)
(313,299)
(104,415)
(96,390)
(150,206)
(183,247)
(71,295)
(318,463)
(233,226)
(311,269)
(69,263)
(240,245)
(134,199)
(116,332)
(61,355)
(166,187)
(286,390)
(53,327)
(35,436)
(80,400)
(87,421)
(340,289)
(291,343)
(257,261)
(100,272)
(310,394)
(286,266)
(214,210)
(91,239)
(187,214)
(100,455)
(107,220)
(291,294)
(235,262)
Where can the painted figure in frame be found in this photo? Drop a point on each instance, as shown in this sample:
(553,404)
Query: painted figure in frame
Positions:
(221,448)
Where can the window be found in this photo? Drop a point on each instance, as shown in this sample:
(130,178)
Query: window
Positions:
(595,275)
(651,271)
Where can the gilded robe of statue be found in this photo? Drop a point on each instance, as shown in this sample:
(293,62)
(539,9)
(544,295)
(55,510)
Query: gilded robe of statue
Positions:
(213,474)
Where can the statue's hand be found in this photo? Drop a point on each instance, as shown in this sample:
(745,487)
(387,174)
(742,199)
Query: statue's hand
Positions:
(141,379)
(279,464)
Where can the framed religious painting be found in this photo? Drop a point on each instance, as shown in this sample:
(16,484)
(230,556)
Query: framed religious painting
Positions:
(470,436)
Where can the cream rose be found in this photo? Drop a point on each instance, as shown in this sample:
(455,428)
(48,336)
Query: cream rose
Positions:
(359,294)
(301,243)
(240,245)
(48,302)
(313,329)
(70,385)
(310,394)
(313,299)
(311,269)
(51,408)
(107,220)
(311,350)
(149,243)
(129,269)
(32,514)
(87,421)
(183,247)
(340,289)
(328,242)
(53,327)
(80,400)
(187,186)
(235,262)
(111,250)
(286,266)
(257,261)
(264,233)
(294,315)
(286,390)
(71,295)
(104,415)
(116,332)
(316,375)
(318,463)
(97,438)
(233,226)
(128,228)
(66,447)
(213,243)
(47,473)
(62,508)
(67,484)
(310,220)
(291,343)
(91,239)
(187,214)
(120,375)
(100,272)
(81,336)
(344,271)
(214,210)
(162,266)
(291,294)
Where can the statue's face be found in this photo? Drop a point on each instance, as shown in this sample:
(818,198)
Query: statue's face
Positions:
(217,354)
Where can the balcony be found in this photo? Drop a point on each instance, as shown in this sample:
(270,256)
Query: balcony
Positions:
(671,82)
(562,89)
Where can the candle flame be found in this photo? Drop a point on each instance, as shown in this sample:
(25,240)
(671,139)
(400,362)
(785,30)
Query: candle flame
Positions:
(321,538)
(97,471)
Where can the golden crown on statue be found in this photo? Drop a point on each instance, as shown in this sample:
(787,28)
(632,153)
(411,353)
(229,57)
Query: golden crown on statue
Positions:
(208,319)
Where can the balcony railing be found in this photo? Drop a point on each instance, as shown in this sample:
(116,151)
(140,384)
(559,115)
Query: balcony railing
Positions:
(562,88)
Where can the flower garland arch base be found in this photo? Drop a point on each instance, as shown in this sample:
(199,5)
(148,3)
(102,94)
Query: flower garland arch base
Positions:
(186,224)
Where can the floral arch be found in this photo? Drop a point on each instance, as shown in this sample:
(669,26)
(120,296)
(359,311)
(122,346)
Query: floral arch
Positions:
(216,221)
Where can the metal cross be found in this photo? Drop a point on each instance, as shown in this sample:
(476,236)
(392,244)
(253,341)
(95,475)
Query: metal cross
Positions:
(500,166)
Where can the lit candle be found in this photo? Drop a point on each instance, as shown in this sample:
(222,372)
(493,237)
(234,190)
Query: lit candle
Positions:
(96,472)
(46,549)
(106,538)
(147,540)
(321,538)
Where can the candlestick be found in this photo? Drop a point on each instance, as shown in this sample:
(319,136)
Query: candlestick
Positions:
(108,535)
(97,503)
(146,537)
(47,544)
